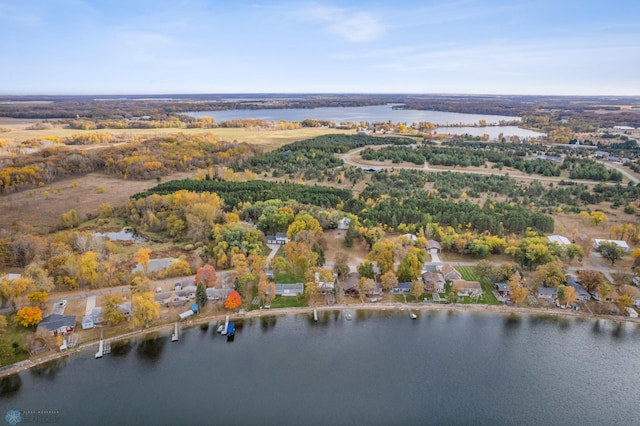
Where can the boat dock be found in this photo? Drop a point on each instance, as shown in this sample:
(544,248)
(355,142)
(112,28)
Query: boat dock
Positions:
(226,325)
(104,348)
(412,315)
(174,336)
(315,314)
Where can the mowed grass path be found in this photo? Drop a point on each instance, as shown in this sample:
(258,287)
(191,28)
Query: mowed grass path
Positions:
(470,275)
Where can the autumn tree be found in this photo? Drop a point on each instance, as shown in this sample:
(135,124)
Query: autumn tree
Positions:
(383,254)
(37,297)
(624,301)
(411,266)
(573,251)
(417,289)
(533,250)
(598,217)
(111,312)
(28,316)
(142,257)
(610,251)
(140,284)
(266,288)
(388,280)
(550,274)
(365,286)
(570,296)
(89,268)
(145,309)
(233,300)
(590,279)
(303,222)
(517,288)
(206,275)
(365,269)
(372,235)
(70,219)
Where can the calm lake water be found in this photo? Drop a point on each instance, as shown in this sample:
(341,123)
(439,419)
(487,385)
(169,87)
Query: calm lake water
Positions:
(381,368)
(376,113)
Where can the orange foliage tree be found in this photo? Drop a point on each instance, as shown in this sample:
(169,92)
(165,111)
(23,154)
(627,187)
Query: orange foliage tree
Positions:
(233,300)
(28,316)
(206,275)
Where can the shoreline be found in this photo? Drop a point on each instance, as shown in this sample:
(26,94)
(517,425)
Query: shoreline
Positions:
(494,309)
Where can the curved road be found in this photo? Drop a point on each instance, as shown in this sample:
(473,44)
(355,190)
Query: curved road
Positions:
(348,159)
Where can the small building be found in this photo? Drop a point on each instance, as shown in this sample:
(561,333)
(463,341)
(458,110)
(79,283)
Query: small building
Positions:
(433,245)
(450,273)
(559,239)
(622,244)
(271,239)
(552,158)
(402,288)
(344,223)
(289,289)
(217,293)
(186,314)
(547,292)
(281,238)
(581,292)
(57,324)
(410,237)
(325,287)
(502,288)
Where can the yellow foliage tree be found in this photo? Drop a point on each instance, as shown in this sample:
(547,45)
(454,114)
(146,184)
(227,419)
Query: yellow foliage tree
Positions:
(517,288)
(145,309)
(28,316)
(142,257)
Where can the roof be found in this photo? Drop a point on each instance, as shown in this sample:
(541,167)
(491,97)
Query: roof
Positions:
(405,285)
(467,285)
(622,244)
(54,322)
(450,272)
(289,289)
(559,239)
(433,244)
(433,277)
(502,286)
(351,281)
(281,235)
(547,291)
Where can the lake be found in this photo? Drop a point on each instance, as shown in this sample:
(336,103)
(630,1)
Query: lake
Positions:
(492,131)
(380,368)
(375,113)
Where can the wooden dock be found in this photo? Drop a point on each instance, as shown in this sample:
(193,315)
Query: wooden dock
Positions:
(315,314)
(104,347)
(174,336)
(226,325)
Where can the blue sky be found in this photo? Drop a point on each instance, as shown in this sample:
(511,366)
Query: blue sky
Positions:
(205,46)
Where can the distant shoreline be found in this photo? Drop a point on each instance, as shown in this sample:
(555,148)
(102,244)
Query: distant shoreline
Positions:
(494,309)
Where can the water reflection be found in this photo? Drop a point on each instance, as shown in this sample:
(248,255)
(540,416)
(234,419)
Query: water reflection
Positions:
(597,327)
(121,348)
(10,385)
(618,330)
(268,322)
(204,327)
(50,369)
(512,321)
(151,348)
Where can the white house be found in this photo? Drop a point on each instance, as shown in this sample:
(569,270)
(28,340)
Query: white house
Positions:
(559,239)
(622,244)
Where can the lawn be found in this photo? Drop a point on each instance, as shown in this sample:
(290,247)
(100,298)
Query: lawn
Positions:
(470,275)
(289,302)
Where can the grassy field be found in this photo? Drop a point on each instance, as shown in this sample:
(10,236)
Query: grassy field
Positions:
(289,302)
(469,274)
(269,139)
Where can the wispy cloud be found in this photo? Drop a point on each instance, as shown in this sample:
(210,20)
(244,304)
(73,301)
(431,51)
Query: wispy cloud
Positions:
(354,27)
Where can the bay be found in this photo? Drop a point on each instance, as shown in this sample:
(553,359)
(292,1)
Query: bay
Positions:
(381,368)
(371,114)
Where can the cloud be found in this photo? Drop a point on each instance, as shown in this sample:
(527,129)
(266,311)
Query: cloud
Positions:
(355,27)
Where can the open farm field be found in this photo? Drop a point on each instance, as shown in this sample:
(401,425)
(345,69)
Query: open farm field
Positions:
(269,139)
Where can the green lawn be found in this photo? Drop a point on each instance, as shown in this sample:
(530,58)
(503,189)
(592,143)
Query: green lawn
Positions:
(469,274)
(289,302)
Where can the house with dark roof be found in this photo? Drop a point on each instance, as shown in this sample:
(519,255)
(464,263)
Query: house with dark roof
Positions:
(57,324)
(271,239)
(547,292)
(450,273)
(502,288)
(281,238)
(289,289)
(402,288)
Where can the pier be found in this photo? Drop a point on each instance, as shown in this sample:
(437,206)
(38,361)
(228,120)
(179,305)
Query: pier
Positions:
(104,347)
(174,336)
(315,314)
(226,325)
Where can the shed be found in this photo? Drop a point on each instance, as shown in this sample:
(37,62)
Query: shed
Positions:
(186,314)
